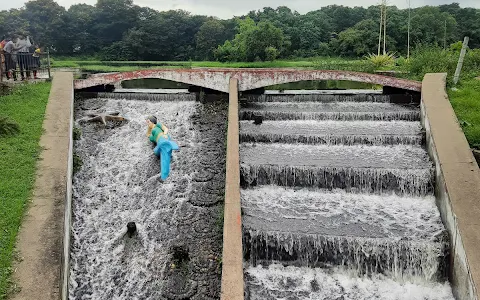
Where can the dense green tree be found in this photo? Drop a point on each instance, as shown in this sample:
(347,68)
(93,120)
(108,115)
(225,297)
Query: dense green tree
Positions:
(313,29)
(468,22)
(46,22)
(359,40)
(253,42)
(80,19)
(112,19)
(118,29)
(428,26)
(209,36)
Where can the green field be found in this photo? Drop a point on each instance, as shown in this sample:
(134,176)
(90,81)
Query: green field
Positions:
(18,158)
(466,103)
(311,63)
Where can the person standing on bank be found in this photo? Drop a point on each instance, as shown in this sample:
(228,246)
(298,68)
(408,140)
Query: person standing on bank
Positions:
(2,57)
(24,58)
(158,134)
(35,65)
(10,59)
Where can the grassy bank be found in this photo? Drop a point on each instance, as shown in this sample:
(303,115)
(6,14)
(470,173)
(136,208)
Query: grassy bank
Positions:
(18,157)
(466,103)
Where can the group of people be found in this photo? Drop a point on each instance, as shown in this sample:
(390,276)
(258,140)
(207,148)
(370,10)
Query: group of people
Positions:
(18,51)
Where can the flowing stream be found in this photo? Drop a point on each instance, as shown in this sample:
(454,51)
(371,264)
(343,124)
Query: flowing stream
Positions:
(337,200)
(176,250)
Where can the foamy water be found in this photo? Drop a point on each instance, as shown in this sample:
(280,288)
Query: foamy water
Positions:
(292,283)
(339,188)
(339,213)
(116,185)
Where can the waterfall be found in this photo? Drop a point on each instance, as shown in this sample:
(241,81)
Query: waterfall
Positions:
(337,200)
(117,183)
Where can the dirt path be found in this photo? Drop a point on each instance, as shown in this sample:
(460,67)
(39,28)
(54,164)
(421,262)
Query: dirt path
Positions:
(39,243)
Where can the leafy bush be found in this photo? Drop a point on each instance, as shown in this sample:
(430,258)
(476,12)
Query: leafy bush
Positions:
(8,127)
(77,133)
(433,59)
(382,60)
(271,53)
(77,163)
(225,52)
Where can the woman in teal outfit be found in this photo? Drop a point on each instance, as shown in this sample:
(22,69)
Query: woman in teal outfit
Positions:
(158,134)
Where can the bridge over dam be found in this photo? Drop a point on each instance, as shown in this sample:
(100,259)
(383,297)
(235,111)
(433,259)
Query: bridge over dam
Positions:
(248,79)
(301,195)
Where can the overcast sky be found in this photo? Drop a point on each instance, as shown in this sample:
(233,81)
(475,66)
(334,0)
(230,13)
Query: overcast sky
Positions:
(229,8)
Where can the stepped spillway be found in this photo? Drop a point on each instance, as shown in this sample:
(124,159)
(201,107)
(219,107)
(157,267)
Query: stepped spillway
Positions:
(337,200)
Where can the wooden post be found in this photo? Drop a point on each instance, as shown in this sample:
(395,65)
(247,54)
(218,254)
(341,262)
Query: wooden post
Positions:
(460,60)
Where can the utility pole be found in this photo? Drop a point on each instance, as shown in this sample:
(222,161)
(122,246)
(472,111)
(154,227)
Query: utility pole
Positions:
(445,37)
(408,42)
(380,34)
(385,27)
(456,77)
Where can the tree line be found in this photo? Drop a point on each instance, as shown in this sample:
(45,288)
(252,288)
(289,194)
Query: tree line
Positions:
(120,30)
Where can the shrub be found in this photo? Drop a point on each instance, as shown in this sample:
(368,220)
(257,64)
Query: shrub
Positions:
(383,60)
(271,53)
(8,127)
(433,59)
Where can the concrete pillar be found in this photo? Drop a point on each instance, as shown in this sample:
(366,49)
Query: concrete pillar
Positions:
(232,261)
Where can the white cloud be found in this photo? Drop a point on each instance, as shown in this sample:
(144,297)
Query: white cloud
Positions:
(227,8)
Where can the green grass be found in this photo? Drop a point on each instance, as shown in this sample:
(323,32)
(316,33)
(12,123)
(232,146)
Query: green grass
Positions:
(466,103)
(18,157)
(325,63)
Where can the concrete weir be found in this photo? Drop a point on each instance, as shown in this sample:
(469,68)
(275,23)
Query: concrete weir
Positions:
(41,271)
(457,185)
(44,239)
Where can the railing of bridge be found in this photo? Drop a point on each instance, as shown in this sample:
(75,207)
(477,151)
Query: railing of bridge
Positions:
(24,66)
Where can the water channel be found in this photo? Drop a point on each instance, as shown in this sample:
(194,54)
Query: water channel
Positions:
(176,250)
(337,197)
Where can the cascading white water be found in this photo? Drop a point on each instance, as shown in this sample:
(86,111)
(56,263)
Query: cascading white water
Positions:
(278,282)
(361,97)
(338,200)
(329,111)
(118,183)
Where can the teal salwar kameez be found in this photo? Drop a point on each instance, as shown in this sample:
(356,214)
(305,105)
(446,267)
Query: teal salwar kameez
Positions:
(163,149)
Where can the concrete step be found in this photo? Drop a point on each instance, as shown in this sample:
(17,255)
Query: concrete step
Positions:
(317,96)
(400,169)
(333,132)
(338,213)
(279,282)
(358,156)
(329,111)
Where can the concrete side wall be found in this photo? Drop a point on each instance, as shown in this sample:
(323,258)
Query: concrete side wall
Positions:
(40,238)
(457,185)
(232,262)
